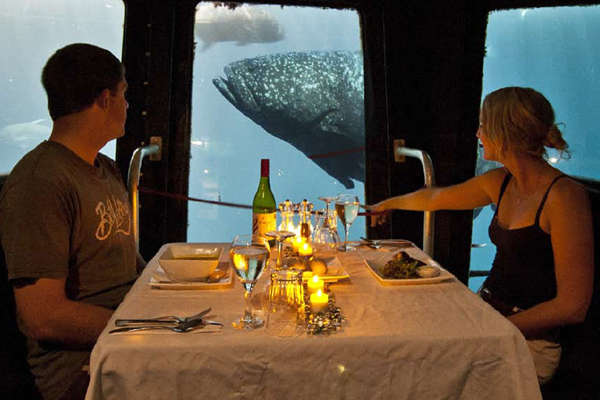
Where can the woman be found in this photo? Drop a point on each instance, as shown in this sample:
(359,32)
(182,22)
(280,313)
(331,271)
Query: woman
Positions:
(542,274)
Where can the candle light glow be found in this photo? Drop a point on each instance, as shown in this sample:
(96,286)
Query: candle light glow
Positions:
(305,249)
(297,242)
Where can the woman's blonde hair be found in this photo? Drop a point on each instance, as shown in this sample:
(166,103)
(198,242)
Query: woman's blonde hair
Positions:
(521,120)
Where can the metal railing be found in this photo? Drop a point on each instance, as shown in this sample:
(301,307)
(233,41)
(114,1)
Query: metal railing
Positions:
(133,180)
(428,220)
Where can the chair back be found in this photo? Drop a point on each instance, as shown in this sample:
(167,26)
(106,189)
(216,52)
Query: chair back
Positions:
(16,380)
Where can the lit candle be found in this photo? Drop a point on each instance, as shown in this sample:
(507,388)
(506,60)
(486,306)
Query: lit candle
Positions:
(305,249)
(297,242)
(318,301)
(315,284)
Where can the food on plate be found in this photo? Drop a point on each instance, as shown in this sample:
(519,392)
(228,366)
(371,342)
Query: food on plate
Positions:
(428,271)
(318,266)
(295,263)
(401,266)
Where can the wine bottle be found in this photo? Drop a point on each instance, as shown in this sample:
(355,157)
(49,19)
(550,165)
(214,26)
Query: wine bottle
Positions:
(263,206)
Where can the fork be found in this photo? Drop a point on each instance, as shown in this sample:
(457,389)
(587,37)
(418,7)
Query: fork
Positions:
(181,327)
(167,319)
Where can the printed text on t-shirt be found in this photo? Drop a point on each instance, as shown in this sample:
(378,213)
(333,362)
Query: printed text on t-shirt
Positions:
(114,218)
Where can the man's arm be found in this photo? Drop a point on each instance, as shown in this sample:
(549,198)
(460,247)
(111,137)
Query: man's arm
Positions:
(48,315)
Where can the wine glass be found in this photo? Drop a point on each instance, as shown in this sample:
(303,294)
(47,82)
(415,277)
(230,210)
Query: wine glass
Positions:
(346,206)
(248,258)
(326,232)
(280,237)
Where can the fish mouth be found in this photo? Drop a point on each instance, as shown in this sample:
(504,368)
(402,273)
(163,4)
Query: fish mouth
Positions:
(223,86)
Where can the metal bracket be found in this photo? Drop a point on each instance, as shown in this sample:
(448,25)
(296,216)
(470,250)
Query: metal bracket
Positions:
(133,180)
(398,156)
(400,152)
(157,155)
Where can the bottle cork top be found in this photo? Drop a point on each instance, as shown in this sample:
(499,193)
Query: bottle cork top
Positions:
(264,167)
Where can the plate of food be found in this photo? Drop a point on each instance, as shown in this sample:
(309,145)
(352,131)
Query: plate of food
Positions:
(406,267)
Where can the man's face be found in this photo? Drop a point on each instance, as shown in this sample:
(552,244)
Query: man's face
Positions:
(118,109)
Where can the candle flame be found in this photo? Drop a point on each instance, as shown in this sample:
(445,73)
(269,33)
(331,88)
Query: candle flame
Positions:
(315,278)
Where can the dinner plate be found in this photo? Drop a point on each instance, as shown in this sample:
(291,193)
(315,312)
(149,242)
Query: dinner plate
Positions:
(378,260)
(160,280)
(335,270)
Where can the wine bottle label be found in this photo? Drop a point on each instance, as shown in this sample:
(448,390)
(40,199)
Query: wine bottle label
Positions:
(263,223)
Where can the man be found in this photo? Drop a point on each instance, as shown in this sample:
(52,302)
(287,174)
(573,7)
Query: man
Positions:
(65,222)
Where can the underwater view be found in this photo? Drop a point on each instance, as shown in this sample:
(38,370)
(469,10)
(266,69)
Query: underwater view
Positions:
(283,83)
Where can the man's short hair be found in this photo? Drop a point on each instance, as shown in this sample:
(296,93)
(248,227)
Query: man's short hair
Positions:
(75,76)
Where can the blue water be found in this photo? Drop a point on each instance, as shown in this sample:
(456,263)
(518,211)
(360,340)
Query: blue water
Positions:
(31,32)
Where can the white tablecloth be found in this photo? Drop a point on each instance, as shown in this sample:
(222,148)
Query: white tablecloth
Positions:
(437,341)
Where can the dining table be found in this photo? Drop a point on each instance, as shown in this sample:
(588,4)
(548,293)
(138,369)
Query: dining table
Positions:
(422,341)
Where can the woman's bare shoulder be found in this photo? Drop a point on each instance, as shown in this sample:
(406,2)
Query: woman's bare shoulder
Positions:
(568,193)
(492,180)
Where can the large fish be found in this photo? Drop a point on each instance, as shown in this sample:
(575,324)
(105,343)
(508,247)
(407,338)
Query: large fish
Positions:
(243,24)
(312,100)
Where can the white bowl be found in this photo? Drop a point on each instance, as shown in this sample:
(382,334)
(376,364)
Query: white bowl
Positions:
(188,262)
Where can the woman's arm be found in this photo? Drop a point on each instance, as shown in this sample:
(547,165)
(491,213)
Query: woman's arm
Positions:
(568,219)
(475,192)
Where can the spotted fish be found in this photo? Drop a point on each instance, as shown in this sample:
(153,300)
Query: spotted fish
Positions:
(312,100)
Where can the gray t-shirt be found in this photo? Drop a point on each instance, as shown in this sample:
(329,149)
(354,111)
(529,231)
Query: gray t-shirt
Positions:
(63,218)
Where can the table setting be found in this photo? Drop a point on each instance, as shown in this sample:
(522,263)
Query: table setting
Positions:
(301,313)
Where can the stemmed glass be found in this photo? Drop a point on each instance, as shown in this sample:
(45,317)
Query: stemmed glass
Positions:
(248,258)
(326,231)
(280,237)
(346,206)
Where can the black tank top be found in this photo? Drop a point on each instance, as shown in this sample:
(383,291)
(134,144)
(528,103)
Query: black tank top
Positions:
(522,274)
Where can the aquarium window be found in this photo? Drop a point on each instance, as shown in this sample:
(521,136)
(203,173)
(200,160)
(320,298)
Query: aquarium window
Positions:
(31,32)
(283,83)
(552,50)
